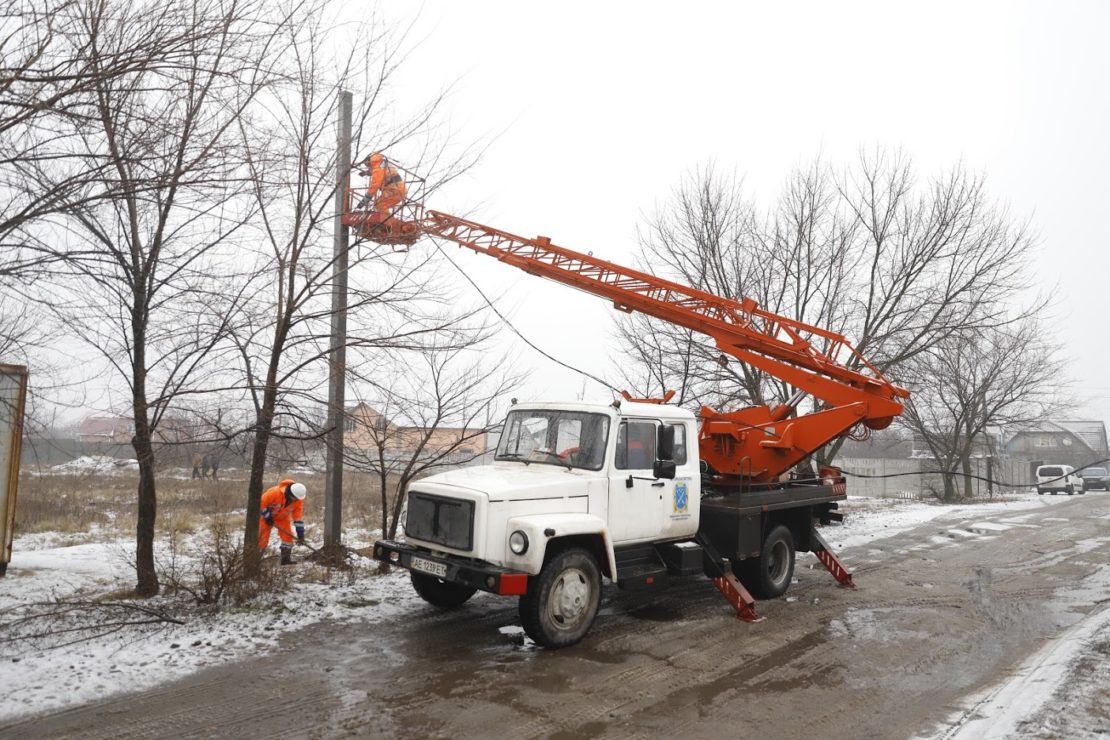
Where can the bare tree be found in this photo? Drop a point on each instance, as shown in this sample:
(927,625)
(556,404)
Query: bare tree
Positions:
(704,236)
(976,380)
(281,330)
(423,411)
(137,262)
(865,251)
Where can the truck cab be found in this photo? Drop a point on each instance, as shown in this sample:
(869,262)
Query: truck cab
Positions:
(590,480)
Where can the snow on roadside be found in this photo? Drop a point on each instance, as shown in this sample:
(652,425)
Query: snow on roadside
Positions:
(40,680)
(869,519)
(1069,673)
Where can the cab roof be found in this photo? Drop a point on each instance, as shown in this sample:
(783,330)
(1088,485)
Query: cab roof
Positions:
(627,408)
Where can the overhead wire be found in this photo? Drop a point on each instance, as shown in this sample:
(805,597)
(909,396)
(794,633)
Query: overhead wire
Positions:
(516,331)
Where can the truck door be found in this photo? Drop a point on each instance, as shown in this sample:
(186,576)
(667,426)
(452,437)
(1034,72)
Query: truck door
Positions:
(679,513)
(634,510)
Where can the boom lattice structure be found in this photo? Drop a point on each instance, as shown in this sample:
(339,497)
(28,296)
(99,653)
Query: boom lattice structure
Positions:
(751,445)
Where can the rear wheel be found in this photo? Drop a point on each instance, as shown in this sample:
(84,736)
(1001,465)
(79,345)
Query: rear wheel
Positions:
(562,600)
(443,594)
(769,575)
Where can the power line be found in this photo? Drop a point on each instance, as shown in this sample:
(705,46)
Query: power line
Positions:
(517,331)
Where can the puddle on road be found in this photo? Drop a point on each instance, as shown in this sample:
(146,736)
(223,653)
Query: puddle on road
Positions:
(658,612)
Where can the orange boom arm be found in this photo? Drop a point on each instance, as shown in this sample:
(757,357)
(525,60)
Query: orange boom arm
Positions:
(757,443)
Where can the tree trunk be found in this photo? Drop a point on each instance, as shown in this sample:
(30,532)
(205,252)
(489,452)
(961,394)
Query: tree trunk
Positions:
(252,555)
(146,577)
(395,516)
(950,489)
(965,463)
(384,478)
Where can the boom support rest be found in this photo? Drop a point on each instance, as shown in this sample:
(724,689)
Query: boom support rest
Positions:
(829,559)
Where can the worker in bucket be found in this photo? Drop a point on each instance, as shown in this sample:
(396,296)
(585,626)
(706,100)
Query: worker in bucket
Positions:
(282,508)
(387,188)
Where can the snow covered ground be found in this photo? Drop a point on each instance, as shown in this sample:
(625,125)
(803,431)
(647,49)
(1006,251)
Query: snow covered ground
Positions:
(44,675)
(93,465)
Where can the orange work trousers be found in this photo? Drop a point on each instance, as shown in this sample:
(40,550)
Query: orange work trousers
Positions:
(389,198)
(283,523)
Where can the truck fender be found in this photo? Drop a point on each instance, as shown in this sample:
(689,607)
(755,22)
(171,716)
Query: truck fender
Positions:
(537,528)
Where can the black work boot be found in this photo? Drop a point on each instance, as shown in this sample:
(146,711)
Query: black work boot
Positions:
(286,555)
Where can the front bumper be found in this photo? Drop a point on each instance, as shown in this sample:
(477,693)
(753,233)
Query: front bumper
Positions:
(471,573)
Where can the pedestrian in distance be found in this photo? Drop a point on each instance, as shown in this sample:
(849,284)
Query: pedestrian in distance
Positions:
(282,509)
(212,465)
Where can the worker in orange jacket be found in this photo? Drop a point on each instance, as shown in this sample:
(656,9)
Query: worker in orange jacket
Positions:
(387,188)
(282,508)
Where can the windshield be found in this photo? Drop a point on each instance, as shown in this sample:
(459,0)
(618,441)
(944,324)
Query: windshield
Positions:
(569,438)
(1095,472)
(1053,472)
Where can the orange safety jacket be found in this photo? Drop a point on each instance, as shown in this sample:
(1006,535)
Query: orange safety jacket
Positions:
(384,178)
(274,500)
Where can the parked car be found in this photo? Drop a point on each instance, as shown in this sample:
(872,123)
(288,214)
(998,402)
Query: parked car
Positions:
(1059,479)
(1095,478)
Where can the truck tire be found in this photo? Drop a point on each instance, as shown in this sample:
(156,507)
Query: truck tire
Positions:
(444,594)
(562,600)
(769,575)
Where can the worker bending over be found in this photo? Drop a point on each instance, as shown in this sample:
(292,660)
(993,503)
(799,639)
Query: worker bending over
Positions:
(387,188)
(282,508)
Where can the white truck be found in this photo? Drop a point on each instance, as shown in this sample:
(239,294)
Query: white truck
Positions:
(634,491)
(579,492)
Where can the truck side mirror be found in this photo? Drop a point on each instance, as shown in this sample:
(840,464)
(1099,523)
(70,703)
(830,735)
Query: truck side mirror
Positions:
(663,469)
(665,446)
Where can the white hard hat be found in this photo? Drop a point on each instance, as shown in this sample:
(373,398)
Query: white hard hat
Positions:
(298,490)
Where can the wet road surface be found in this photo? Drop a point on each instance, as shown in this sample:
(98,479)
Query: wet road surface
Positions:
(942,611)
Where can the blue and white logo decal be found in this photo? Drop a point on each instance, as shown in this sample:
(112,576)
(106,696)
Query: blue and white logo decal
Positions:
(681,500)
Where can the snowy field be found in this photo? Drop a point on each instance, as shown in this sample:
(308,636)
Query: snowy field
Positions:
(47,674)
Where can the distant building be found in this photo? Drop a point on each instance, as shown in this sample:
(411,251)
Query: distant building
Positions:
(1075,443)
(105,429)
(366,429)
(986,444)
(120,430)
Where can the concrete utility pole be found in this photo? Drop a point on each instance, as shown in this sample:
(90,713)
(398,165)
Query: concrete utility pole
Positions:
(337,361)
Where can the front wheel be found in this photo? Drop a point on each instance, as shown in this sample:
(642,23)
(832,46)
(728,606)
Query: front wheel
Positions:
(444,594)
(768,576)
(562,601)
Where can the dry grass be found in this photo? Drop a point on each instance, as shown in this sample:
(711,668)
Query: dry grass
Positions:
(75,504)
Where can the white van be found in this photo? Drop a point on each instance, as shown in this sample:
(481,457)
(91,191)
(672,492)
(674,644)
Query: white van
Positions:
(1059,479)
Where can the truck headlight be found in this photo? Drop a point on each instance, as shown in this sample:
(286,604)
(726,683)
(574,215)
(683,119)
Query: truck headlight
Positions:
(518,542)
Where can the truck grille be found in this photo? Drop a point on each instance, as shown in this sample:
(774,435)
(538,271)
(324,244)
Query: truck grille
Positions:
(445,521)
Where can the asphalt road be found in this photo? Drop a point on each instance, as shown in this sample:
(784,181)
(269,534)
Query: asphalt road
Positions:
(942,612)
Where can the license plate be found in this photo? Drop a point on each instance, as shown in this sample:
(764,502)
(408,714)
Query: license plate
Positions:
(427,566)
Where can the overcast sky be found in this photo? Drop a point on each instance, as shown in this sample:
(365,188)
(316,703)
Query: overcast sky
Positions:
(599,107)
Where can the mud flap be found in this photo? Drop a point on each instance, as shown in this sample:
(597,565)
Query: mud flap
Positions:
(829,559)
